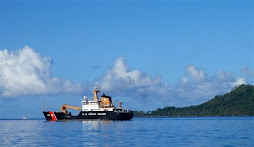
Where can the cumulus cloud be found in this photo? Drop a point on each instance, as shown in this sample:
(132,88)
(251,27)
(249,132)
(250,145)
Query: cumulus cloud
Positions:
(197,75)
(195,87)
(26,72)
(201,87)
(122,78)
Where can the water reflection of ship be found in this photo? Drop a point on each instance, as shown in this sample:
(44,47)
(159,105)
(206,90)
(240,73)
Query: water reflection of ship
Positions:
(96,129)
(95,124)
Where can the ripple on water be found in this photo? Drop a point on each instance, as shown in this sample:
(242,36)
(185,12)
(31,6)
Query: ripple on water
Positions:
(213,131)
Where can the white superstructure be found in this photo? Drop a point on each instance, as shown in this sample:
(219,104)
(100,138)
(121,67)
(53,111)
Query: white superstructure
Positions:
(103,104)
(89,105)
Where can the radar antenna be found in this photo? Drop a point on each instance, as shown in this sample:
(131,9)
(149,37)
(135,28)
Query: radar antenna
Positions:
(97,88)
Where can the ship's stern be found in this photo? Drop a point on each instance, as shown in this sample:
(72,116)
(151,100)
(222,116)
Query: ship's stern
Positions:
(53,116)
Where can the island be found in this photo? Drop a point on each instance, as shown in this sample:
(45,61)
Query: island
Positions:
(238,102)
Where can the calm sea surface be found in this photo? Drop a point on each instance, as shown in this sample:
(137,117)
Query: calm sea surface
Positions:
(199,131)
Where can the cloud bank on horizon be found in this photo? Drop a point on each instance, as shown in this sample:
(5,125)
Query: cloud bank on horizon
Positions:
(25,72)
(194,87)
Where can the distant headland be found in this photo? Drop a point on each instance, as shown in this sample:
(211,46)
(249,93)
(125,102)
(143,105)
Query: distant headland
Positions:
(238,102)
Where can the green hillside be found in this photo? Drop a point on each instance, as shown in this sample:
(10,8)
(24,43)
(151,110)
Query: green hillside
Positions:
(238,102)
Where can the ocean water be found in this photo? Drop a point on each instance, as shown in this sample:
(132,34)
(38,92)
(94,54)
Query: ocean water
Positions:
(188,131)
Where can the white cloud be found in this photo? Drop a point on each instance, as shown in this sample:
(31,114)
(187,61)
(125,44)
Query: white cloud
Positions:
(26,72)
(202,87)
(197,75)
(122,78)
(239,81)
(195,87)
(184,80)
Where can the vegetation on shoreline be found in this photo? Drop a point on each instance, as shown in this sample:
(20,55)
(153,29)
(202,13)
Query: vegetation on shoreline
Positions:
(238,102)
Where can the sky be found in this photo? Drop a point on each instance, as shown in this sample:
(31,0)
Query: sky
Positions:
(147,53)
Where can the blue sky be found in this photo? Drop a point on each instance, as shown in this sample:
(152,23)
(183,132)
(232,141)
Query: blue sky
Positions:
(148,54)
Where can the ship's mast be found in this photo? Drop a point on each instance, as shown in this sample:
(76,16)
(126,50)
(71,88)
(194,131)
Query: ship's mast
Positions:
(43,105)
(95,91)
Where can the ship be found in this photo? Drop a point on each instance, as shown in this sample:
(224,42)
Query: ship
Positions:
(94,109)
